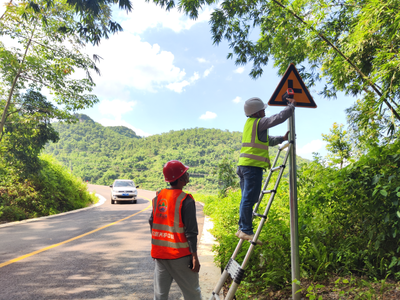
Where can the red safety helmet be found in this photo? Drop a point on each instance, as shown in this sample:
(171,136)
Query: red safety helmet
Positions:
(173,170)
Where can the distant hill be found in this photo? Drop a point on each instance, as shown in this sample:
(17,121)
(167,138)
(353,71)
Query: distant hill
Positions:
(125,131)
(101,154)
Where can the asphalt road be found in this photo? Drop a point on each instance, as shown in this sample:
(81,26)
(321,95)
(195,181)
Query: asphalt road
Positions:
(98,253)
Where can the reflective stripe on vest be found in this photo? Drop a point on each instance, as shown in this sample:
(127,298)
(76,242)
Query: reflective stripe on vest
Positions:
(253,152)
(168,234)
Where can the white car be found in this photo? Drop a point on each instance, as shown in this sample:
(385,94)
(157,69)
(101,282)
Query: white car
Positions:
(123,190)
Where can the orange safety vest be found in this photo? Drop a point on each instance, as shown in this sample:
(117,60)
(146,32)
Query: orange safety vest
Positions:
(168,240)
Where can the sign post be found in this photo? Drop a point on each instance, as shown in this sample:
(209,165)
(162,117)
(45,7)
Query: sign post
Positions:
(292,80)
(294,232)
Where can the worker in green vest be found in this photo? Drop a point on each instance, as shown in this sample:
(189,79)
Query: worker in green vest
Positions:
(254,157)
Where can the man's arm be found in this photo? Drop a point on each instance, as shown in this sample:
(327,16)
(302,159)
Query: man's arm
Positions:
(272,121)
(196,263)
(276,119)
(151,221)
(275,140)
(189,219)
(151,216)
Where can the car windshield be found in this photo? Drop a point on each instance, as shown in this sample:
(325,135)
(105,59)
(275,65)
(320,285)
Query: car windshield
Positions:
(123,183)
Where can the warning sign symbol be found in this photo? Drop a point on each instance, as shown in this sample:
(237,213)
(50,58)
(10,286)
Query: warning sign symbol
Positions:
(292,80)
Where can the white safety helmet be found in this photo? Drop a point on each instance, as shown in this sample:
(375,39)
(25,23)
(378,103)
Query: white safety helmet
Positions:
(253,105)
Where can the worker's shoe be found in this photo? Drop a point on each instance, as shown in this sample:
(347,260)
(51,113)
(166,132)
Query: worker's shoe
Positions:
(244,236)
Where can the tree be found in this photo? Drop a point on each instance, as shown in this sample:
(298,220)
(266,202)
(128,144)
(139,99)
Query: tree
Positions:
(28,131)
(45,58)
(93,20)
(226,175)
(338,145)
(352,44)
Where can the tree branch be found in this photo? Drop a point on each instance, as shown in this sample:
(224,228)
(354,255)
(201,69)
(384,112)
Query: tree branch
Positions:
(13,112)
(4,13)
(40,82)
(375,87)
(4,116)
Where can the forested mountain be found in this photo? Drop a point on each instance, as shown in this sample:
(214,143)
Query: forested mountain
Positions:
(124,131)
(101,154)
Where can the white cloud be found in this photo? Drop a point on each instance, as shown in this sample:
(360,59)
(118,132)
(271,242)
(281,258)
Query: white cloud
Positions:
(239,70)
(208,115)
(129,62)
(147,15)
(307,150)
(208,71)
(237,99)
(109,122)
(116,107)
(194,77)
(201,60)
(139,65)
(178,86)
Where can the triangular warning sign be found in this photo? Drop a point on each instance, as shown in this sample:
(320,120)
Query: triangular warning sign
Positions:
(291,79)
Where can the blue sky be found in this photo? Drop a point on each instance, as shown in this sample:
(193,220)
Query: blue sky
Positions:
(162,73)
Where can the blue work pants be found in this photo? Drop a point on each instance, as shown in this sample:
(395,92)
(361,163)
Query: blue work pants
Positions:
(250,184)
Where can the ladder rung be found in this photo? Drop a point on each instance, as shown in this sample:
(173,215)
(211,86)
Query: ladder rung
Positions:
(284,146)
(235,271)
(269,191)
(278,168)
(259,215)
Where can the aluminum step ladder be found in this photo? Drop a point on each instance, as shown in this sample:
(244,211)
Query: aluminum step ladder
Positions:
(233,268)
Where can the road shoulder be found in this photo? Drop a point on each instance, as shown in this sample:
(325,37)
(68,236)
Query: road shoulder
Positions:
(209,272)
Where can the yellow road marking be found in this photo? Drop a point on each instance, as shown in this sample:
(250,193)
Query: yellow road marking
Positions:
(70,240)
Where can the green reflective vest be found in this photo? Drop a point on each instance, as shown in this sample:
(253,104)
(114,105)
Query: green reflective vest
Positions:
(254,153)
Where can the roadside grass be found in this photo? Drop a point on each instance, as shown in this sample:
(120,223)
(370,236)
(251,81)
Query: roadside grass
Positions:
(52,190)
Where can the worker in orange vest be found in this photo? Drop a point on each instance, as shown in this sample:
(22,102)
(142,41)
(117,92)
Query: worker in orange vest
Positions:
(174,236)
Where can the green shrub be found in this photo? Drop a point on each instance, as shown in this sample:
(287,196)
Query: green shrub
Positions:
(349,223)
(52,191)
(352,215)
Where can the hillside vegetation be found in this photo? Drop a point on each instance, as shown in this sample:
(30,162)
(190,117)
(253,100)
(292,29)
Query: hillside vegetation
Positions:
(101,154)
(51,190)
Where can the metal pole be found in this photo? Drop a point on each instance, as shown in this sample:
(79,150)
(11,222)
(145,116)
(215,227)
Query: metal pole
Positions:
(294,232)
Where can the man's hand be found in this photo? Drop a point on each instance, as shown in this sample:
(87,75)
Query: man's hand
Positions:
(196,263)
(286,136)
(291,100)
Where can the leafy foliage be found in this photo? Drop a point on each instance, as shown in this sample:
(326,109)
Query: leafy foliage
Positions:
(363,200)
(124,131)
(227,177)
(368,129)
(93,18)
(338,145)
(44,58)
(349,223)
(27,132)
(52,191)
